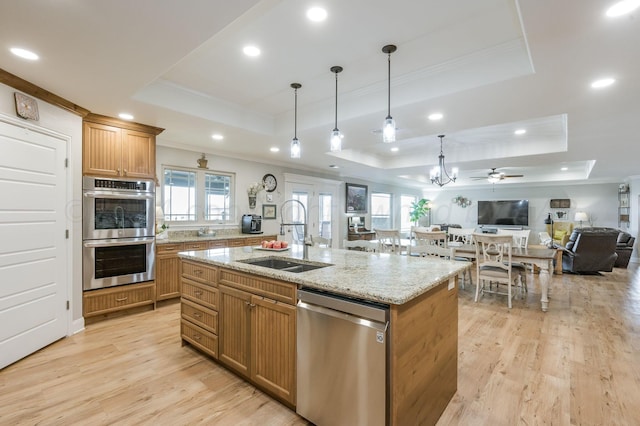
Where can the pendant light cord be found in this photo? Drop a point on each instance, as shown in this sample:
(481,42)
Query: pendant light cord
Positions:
(295,114)
(336,121)
(389,85)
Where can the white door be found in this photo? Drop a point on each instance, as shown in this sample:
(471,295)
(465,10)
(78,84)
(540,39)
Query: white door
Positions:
(319,198)
(33,251)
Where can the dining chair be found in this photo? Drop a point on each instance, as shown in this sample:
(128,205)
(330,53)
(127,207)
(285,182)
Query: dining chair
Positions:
(521,241)
(388,241)
(321,242)
(363,245)
(446,253)
(494,265)
(461,235)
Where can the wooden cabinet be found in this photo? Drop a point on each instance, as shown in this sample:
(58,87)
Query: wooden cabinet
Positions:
(364,235)
(199,307)
(113,148)
(168,262)
(246,322)
(168,270)
(112,299)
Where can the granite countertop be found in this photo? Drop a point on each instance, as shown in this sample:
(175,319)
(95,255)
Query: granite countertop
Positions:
(380,277)
(189,238)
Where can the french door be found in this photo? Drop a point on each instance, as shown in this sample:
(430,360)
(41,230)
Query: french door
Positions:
(319,198)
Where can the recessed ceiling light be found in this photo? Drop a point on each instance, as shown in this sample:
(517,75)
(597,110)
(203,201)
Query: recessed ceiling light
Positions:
(622,8)
(317,14)
(520,132)
(274,149)
(125,116)
(25,54)
(333,166)
(599,84)
(217,136)
(435,116)
(564,169)
(395,149)
(251,51)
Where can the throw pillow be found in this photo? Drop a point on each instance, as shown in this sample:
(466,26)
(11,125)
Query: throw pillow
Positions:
(559,235)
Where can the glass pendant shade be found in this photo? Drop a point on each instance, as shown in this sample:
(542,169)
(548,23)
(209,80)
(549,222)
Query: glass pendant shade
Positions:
(295,148)
(336,140)
(389,130)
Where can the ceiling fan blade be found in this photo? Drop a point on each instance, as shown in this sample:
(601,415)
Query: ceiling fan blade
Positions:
(510,176)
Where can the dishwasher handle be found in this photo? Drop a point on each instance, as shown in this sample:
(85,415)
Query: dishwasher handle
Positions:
(379,326)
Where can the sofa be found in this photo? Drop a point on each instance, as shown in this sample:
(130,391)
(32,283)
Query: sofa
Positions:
(624,248)
(590,250)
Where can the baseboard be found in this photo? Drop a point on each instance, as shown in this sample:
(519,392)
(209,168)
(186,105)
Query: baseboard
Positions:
(76,326)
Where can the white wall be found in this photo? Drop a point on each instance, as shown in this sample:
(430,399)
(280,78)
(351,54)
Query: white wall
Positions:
(600,201)
(62,121)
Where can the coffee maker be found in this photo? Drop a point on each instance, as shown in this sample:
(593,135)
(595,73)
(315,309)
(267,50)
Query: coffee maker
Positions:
(251,224)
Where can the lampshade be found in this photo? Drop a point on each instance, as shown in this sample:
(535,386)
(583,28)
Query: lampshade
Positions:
(581,217)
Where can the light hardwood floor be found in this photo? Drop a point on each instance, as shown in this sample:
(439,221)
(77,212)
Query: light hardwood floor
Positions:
(578,364)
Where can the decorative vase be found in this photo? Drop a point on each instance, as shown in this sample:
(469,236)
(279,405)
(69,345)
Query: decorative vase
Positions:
(252,201)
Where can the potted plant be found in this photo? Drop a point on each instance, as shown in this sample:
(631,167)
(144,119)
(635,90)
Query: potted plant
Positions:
(419,209)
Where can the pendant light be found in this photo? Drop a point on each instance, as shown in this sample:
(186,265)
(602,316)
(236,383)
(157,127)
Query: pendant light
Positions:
(439,175)
(295,143)
(389,126)
(336,136)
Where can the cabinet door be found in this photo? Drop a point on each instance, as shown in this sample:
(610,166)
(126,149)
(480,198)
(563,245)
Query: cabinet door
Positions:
(101,150)
(234,329)
(273,347)
(138,154)
(167,277)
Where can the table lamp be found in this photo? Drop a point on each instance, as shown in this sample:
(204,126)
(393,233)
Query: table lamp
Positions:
(581,217)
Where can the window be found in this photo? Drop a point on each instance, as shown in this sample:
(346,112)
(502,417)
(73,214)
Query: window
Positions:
(326,205)
(381,210)
(405,212)
(197,195)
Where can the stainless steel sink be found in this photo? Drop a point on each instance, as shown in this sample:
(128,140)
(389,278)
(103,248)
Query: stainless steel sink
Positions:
(281,264)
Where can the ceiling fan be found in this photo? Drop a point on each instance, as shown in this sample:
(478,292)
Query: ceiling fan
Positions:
(493,176)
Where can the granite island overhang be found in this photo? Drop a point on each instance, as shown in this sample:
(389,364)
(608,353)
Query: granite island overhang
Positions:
(422,295)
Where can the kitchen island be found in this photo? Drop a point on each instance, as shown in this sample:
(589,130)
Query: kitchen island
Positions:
(423,318)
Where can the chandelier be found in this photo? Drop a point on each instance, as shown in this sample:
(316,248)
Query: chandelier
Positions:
(439,175)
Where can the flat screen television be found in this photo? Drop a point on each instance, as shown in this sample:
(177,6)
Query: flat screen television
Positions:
(503,212)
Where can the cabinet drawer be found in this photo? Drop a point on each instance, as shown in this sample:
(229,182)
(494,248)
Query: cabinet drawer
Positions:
(276,290)
(217,244)
(236,242)
(198,245)
(168,249)
(200,293)
(97,302)
(199,337)
(199,272)
(199,315)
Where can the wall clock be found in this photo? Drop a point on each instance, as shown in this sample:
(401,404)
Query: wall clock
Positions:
(26,107)
(270,182)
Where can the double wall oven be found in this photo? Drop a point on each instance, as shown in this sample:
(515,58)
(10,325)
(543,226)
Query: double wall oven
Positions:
(118,231)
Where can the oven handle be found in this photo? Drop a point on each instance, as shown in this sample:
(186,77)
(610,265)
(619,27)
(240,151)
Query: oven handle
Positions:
(91,194)
(118,242)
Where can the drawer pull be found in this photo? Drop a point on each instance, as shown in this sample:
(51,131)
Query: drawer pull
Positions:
(197,271)
(197,336)
(122,299)
(197,293)
(197,315)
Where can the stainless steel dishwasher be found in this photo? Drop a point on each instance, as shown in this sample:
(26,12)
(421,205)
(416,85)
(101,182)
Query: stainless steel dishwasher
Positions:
(342,359)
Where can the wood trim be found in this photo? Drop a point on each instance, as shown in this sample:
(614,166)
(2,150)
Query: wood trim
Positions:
(110,121)
(40,93)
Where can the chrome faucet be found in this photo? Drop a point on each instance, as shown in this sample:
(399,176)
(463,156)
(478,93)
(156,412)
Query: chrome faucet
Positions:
(305,242)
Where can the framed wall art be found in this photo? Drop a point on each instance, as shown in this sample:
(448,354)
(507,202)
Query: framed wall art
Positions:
(357,198)
(269,211)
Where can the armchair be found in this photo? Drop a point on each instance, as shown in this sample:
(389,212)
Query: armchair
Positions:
(590,250)
(624,248)
(561,232)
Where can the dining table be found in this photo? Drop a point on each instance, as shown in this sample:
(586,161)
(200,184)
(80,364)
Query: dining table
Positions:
(538,256)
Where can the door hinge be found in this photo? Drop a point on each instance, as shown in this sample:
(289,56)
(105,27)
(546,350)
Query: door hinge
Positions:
(66,163)
(68,304)
(66,234)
